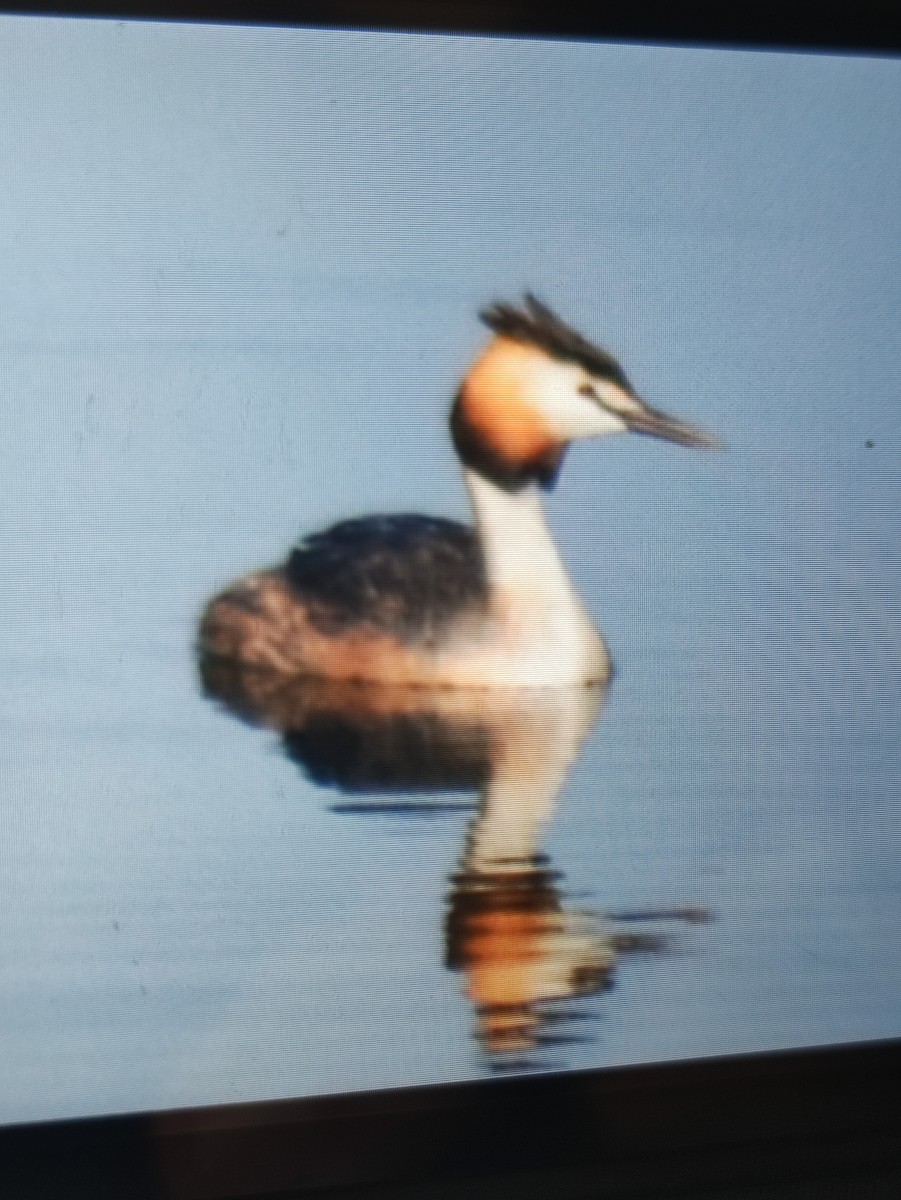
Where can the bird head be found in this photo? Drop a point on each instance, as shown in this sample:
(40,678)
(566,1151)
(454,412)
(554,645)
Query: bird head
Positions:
(540,385)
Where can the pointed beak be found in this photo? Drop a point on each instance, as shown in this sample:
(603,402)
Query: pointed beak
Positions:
(654,423)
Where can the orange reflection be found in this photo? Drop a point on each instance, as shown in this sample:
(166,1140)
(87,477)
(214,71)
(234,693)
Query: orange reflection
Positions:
(524,953)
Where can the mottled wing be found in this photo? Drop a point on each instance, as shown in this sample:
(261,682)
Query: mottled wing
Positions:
(405,575)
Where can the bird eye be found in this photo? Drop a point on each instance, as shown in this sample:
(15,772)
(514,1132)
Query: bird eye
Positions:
(586,389)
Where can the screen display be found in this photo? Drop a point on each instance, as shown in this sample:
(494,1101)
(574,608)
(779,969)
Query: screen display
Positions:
(451,614)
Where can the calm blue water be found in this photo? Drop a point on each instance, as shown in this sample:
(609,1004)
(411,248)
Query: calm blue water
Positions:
(240,277)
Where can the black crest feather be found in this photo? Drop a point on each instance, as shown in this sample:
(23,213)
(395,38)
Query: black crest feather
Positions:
(537,324)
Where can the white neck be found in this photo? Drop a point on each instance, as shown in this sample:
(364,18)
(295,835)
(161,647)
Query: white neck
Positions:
(517,544)
(544,628)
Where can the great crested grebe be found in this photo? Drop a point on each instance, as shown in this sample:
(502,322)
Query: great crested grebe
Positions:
(427,601)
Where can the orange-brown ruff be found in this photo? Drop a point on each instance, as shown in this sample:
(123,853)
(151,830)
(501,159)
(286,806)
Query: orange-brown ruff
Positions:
(426,601)
(492,406)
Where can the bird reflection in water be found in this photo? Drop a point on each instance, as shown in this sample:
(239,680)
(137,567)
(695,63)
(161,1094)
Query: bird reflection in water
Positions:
(526,956)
